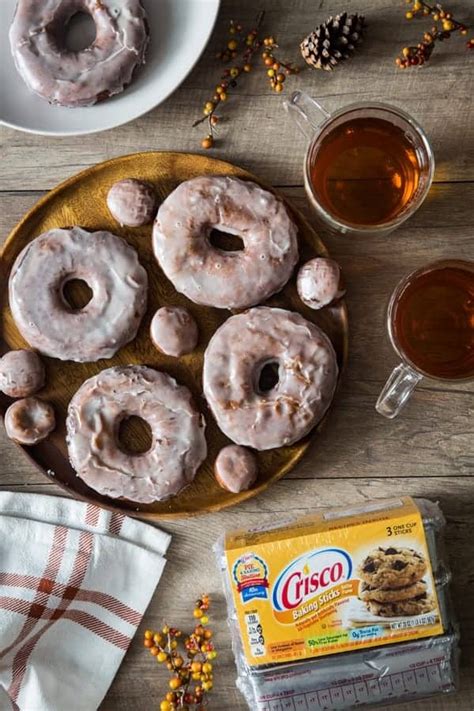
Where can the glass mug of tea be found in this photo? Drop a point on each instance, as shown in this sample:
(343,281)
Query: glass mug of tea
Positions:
(368,166)
(430,321)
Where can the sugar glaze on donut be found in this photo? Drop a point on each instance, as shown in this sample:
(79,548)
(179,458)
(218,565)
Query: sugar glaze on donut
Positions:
(29,420)
(174,331)
(319,282)
(21,373)
(235,468)
(82,78)
(178,442)
(107,264)
(214,277)
(132,202)
(233,362)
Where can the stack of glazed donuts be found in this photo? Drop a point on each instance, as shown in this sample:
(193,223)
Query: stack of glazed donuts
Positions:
(254,414)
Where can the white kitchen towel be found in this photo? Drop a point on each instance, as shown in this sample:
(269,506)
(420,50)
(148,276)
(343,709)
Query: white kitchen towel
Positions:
(75,581)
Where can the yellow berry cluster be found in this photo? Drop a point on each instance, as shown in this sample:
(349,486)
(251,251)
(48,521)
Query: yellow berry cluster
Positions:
(239,51)
(277,71)
(191,669)
(420,53)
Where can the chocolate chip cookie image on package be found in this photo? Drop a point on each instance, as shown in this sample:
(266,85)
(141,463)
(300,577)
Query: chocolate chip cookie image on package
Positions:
(391,567)
(367,593)
(416,606)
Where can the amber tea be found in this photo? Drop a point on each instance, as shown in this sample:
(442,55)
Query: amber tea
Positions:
(432,321)
(365,171)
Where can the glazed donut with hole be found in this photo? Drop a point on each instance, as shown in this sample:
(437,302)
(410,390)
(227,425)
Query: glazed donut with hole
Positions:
(234,363)
(212,276)
(177,430)
(73,79)
(43,316)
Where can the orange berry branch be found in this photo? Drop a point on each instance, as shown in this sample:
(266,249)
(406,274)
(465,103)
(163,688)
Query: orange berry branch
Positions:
(417,55)
(191,669)
(240,50)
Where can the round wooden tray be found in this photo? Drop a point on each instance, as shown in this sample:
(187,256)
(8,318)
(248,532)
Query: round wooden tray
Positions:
(81,200)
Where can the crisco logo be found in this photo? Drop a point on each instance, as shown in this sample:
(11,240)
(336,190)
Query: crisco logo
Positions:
(310,574)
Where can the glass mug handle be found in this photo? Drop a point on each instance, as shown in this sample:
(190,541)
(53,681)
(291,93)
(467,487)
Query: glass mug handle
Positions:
(397,391)
(306,112)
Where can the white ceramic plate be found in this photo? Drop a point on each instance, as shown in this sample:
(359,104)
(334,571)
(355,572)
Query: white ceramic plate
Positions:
(179,31)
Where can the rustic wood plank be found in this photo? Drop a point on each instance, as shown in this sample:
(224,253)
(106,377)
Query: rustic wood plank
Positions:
(192,560)
(191,569)
(439,95)
(429,451)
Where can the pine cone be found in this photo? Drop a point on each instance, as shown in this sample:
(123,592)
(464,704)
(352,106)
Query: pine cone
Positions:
(333,41)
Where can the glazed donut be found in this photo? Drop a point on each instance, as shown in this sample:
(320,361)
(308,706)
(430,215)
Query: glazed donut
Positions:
(132,202)
(111,318)
(82,78)
(21,373)
(319,282)
(235,468)
(178,442)
(174,331)
(30,420)
(233,364)
(213,277)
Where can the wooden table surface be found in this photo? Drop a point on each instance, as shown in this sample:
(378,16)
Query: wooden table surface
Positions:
(429,450)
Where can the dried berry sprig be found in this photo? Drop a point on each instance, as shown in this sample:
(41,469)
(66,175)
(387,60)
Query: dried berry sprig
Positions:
(228,79)
(240,50)
(419,54)
(191,669)
(277,70)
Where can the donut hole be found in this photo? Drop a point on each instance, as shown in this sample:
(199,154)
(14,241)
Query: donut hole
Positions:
(77,294)
(225,241)
(269,377)
(134,435)
(79,32)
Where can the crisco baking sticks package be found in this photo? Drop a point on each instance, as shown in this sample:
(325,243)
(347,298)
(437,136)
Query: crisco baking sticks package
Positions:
(342,580)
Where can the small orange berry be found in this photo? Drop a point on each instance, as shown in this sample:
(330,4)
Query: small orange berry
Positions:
(409,15)
(155,651)
(269,62)
(148,643)
(278,87)
(198,612)
(232,45)
(247,68)
(207,142)
(174,683)
(148,634)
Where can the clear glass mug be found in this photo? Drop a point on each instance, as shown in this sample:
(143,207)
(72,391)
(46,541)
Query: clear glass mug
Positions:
(317,124)
(406,376)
